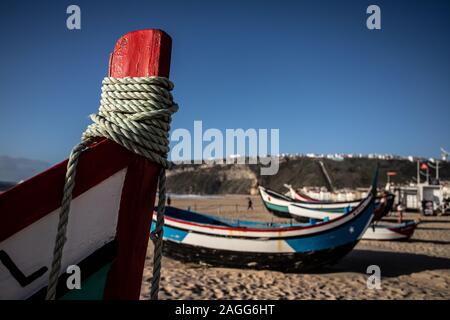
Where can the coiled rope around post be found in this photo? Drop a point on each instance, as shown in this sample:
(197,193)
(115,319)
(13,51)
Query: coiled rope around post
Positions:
(134,112)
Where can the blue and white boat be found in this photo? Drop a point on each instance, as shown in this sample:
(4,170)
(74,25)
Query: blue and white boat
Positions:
(195,237)
(299,207)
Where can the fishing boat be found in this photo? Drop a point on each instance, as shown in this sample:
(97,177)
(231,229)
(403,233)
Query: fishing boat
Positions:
(376,231)
(279,202)
(381,212)
(108,225)
(383,206)
(298,195)
(402,231)
(384,202)
(287,207)
(195,237)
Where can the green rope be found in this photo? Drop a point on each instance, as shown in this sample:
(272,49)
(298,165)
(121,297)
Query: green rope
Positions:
(136,114)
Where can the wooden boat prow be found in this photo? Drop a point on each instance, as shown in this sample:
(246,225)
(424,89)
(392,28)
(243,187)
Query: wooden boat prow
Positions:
(109,223)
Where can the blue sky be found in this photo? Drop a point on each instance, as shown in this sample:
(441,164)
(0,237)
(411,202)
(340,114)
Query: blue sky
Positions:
(310,68)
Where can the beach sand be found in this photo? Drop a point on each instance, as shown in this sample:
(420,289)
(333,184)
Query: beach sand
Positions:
(416,269)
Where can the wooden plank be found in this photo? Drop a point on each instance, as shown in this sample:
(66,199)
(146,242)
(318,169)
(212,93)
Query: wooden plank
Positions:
(141,53)
(137,54)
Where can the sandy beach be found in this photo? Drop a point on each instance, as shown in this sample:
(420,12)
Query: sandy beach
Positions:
(416,269)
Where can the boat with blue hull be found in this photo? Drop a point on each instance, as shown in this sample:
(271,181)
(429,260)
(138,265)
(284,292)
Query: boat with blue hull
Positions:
(195,237)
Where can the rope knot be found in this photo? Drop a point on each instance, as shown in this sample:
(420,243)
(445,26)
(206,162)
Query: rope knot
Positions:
(135,112)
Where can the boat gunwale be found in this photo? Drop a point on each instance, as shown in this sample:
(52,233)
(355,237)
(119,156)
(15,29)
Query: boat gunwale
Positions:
(356,212)
(315,202)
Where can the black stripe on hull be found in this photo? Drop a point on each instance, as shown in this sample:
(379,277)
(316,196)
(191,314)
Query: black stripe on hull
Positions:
(17,274)
(286,262)
(88,267)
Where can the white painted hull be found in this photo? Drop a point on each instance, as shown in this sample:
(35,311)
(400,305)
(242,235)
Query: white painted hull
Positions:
(296,210)
(92,224)
(285,201)
(390,232)
(266,197)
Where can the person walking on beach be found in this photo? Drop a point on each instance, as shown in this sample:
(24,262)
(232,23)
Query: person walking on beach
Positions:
(250,204)
(400,210)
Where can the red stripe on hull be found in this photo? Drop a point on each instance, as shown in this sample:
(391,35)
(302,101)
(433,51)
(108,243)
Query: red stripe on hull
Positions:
(33,199)
(407,231)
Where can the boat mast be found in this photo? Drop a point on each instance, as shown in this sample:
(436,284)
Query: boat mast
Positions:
(327,178)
